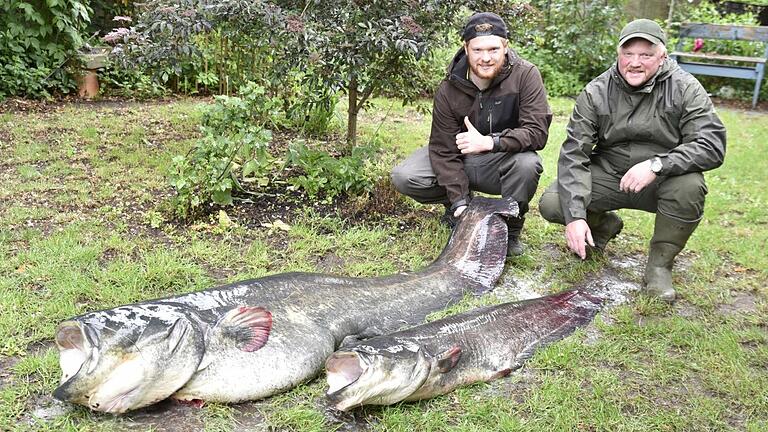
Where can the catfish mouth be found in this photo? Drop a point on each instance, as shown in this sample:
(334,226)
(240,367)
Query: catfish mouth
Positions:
(343,370)
(114,405)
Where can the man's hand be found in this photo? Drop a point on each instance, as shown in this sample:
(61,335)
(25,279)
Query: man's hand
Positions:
(459,210)
(576,233)
(637,178)
(471,141)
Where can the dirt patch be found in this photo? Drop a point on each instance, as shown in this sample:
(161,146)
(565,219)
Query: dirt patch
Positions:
(166,416)
(742,303)
(18,105)
(741,105)
(6,363)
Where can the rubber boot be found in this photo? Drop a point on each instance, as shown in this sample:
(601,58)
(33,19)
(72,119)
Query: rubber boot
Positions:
(604,226)
(669,238)
(514,229)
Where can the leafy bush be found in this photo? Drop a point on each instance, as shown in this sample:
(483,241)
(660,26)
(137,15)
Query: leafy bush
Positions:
(233,157)
(571,42)
(232,153)
(332,176)
(37,39)
(133,83)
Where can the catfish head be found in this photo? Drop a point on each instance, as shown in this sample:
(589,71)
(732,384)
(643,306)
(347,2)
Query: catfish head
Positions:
(128,357)
(366,375)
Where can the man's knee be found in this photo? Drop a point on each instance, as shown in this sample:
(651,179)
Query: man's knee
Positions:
(549,205)
(528,166)
(400,179)
(683,197)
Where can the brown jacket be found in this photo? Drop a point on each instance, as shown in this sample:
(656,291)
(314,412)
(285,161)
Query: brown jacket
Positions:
(514,107)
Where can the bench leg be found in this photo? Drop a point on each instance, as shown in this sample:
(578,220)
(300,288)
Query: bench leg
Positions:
(756,93)
(758,83)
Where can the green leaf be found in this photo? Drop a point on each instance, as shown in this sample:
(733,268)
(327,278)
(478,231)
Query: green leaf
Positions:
(222,197)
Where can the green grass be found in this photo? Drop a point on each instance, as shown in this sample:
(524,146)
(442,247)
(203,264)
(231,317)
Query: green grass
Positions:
(80,230)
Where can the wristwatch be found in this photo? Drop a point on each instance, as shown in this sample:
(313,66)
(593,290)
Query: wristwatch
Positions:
(656,165)
(496,142)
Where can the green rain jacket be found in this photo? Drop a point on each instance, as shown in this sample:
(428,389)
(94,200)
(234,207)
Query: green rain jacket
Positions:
(617,126)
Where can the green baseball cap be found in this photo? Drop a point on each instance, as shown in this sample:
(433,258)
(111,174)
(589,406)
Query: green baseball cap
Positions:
(643,28)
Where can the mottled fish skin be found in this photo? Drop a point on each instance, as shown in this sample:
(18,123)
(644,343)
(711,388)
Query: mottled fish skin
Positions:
(435,358)
(287,326)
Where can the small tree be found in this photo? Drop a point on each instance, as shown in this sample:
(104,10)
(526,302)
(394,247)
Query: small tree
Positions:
(366,48)
(363,48)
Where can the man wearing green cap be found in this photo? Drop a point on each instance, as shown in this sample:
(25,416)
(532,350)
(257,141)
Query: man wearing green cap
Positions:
(639,137)
(489,118)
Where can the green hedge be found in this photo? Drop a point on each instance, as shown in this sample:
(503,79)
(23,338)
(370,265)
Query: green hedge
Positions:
(37,40)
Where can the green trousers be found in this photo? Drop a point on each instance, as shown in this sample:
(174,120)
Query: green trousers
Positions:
(678,197)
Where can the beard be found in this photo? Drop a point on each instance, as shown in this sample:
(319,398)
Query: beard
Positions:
(486,73)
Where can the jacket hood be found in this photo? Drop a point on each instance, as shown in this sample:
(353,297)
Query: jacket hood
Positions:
(457,71)
(665,71)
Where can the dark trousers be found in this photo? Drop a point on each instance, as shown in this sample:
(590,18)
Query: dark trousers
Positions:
(514,175)
(678,197)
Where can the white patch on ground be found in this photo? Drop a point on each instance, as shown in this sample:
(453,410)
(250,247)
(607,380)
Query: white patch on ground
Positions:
(513,287)
(613,290)
(609,284)
(635,263)
(48,409)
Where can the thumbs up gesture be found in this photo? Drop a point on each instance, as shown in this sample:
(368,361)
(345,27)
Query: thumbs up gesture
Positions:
(471,141)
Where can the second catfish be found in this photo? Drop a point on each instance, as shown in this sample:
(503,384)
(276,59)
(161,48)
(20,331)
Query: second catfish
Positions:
(434,358)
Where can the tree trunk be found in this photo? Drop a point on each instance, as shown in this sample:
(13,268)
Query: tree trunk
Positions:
(352,113)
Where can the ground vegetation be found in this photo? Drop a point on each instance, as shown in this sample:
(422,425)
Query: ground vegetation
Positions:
(83,227)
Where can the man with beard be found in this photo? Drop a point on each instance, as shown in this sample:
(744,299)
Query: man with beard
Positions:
(639,137)
(489,118)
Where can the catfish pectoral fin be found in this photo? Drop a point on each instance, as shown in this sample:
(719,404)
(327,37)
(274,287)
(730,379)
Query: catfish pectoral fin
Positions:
(501,374)
(248,326)
(448,359)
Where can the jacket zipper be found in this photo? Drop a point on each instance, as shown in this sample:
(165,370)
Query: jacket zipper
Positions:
(480,101)
(490,121)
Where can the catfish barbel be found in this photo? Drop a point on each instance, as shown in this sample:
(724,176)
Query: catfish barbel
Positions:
(434,358)
(252,339)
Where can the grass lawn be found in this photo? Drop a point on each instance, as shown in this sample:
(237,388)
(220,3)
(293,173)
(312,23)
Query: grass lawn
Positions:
(80,230)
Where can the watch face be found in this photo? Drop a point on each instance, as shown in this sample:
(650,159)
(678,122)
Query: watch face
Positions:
(656,165)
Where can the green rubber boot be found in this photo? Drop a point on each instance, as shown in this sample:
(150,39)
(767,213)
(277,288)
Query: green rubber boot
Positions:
(669,238)
(604,226)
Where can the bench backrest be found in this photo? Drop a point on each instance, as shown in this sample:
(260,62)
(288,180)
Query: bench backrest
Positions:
(723,31)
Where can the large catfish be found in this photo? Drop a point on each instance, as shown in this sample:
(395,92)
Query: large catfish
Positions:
(434,358)
(255,338)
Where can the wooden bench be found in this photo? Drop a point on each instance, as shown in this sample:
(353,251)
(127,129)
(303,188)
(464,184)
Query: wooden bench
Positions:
(723,65)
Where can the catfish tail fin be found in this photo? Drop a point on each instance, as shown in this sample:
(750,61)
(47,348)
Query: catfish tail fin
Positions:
(478,245)
(559,315)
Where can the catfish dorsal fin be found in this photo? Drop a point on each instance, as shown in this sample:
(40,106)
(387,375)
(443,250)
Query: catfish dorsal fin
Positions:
(248,326)
(448,359)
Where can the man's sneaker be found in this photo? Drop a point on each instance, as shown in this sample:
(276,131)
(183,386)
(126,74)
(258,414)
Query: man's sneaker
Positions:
(514,228)
(448,219)
(514,246)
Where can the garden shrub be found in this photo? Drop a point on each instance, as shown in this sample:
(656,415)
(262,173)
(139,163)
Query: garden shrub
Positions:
(232,153)
(321,173)
(233,157)
(571,42)
(38,40)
